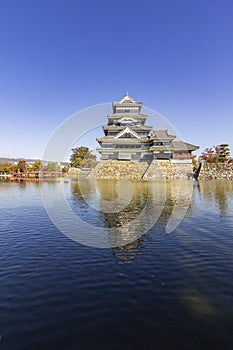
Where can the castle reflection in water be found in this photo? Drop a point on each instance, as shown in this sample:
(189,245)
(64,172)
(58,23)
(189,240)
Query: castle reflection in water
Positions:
(151,205)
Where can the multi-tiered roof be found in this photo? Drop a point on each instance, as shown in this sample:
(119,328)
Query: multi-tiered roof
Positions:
(127,137)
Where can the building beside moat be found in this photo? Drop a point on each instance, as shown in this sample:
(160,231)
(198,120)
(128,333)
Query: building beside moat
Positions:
(127,137)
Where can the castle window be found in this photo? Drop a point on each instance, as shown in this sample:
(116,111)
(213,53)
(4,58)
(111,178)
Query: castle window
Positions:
(127,123)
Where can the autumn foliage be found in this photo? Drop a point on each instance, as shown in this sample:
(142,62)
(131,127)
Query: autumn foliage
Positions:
(216,154)
(82,157)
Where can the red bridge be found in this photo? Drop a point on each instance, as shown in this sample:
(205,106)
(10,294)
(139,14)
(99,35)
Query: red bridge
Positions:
(36,174)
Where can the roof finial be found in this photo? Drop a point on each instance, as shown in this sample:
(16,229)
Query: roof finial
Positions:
(127,93)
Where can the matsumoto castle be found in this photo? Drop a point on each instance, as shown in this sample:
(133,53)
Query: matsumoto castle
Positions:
(127,137)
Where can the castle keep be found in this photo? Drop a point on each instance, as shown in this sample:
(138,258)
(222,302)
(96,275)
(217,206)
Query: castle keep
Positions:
(127,137)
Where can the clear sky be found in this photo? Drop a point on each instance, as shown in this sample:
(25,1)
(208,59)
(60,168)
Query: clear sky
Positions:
(60,56)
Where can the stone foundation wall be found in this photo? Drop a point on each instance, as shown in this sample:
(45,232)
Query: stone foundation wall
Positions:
(113,169)
(220,171)
(168,170)
(116,169)
(75,172)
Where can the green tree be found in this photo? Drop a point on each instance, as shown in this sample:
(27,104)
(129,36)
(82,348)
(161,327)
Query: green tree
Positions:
(37,165)
(51,166)
(7,168)
(78,156)
(224,152)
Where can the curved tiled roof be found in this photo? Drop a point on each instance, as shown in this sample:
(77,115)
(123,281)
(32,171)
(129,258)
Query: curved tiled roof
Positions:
(133,127)
(178,145)
(162,135)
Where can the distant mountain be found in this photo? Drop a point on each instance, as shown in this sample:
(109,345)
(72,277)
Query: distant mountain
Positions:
(15,160)
(28,160)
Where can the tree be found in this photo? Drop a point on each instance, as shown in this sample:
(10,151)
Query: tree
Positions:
(78,156)
(208,155)
(37,165)
(64,167)
(224,152)
(89,162)
(7,168)
(51,167)
(21,165)
(216,154)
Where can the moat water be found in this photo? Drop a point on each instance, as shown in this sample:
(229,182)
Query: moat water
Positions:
(170,287)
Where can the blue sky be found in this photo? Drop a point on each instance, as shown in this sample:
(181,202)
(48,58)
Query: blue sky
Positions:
(60,56)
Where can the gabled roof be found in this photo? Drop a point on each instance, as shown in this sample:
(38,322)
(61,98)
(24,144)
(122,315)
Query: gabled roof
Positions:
(127,99)
(127,130)
(127,119)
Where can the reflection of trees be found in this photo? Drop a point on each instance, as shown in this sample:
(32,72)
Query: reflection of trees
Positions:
(217,191)
(4,179)
(82,188)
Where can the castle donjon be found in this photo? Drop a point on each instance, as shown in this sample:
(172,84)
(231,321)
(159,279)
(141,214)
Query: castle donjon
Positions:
(131,149)
(129,142)
(127,137)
